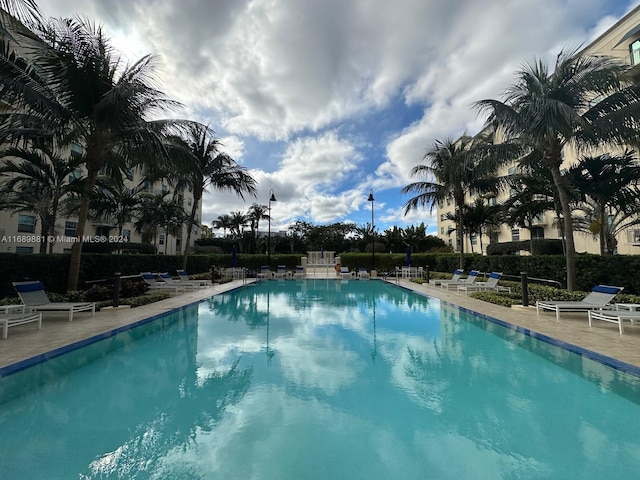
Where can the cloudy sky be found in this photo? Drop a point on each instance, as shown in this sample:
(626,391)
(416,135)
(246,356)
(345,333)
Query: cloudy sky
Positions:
(324,100)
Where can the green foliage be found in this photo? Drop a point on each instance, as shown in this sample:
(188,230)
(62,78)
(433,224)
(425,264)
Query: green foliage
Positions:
(145,299)
(504,299)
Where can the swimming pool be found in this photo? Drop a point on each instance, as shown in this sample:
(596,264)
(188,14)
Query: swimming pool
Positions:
(321,379)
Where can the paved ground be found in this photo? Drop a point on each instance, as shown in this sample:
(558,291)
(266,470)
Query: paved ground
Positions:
(25,341)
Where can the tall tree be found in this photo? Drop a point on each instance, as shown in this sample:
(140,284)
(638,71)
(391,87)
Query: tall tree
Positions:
(585,101)
(75,84)
(456,169)
(201,165)
(611,181)
(223,222)
(37,181)
(256,213)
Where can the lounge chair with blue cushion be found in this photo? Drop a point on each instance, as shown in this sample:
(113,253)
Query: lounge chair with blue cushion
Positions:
(166,278)
(454,278)
(281,272)
(265,272)
(345,273)
(184,278)
(363,274)
(150,280)
(35,299)
(299,273)
(471,278)
(491,285)
(599,298)
(12,319)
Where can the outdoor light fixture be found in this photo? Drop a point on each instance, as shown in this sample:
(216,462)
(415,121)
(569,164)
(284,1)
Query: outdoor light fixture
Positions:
(272,198)
(373,257)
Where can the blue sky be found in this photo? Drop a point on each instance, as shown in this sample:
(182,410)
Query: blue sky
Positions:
(324,100)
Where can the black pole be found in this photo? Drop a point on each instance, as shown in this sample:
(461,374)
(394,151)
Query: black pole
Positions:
(525,289)
(116,289)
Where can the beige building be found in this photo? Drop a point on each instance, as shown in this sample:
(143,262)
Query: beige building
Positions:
(20,232)
(622,40)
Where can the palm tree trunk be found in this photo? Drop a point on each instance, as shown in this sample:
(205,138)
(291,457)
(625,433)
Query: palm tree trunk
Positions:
(570,253)
(190,222)
(76,250)
(460,237)
(603,236)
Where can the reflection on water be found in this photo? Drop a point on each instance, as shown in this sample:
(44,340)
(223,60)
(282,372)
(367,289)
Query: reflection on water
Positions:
(325,379)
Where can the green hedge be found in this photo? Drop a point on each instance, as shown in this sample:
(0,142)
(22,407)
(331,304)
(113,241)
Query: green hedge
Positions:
(52,269)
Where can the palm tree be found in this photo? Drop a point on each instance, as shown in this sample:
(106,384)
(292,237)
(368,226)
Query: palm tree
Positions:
(611,181)
(238,222)
(455,169)
(480,216)
(254,215)
(606,227)
(223,222)
(39,183)
(586,101)
(202,165)
(77,86)
(116,202)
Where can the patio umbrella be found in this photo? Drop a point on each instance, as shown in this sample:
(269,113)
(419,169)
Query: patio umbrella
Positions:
(234,257)
(408,259)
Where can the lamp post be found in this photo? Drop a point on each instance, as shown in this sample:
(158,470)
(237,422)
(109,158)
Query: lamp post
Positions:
(373,257)
(272,198)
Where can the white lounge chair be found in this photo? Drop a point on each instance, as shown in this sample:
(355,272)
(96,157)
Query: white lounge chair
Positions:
(265,272)
(12,319)
(185,279)
(471,278)
(166,278)
(615,316)
(281,272)
(35,299)
(299,273)
(345,273)
(599,298)
(150,279)
(454,278)
(363,274)
(490,285)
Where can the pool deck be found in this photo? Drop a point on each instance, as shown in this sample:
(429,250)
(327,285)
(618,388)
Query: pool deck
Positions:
(25,341)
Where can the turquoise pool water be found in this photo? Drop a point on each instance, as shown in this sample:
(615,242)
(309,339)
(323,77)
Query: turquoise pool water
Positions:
(320,379)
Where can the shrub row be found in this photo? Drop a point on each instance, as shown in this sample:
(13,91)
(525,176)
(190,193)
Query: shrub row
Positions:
(52,269)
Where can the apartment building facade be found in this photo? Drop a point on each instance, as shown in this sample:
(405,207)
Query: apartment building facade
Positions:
(622,41)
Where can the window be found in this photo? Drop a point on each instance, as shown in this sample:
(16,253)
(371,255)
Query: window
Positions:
(474,239)
(70,228)
(443,217)
(164,188)
(189,202)
(450,243)
(178,244)
(74,175)
(491,201)
(537,232)
(24,250)
(26,223)
(161,240)
(515,234)
(126,233)
(493,237)
(66,250)
(448,201)
(512,170)
(441,230)
(76,150)
(634,50)
(103,231)
(130,174)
